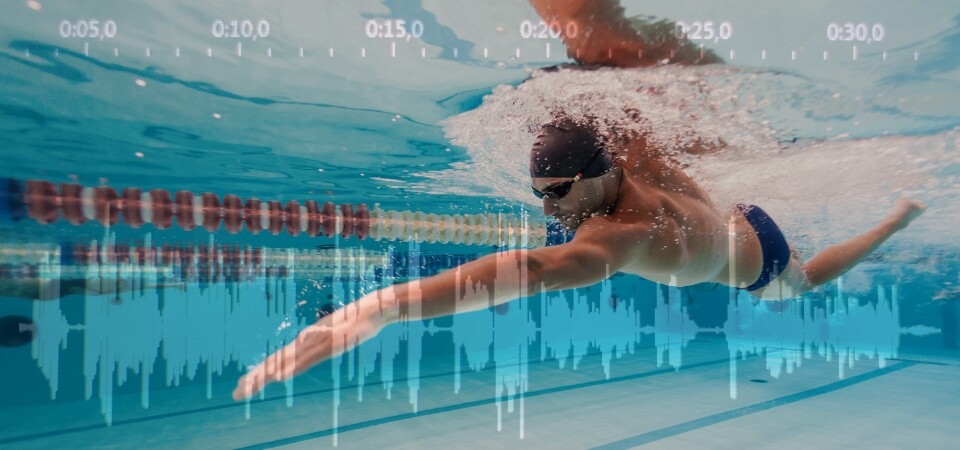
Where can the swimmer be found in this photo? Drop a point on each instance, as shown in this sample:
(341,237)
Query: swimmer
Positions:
(638,215)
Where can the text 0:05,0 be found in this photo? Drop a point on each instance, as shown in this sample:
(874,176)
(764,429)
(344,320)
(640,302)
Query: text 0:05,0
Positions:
(89,29)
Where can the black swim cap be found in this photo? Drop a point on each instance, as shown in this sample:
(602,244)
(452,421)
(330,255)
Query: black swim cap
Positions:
(565,148)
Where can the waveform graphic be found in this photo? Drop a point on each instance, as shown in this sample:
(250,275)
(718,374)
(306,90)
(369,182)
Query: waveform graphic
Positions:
(790,331)
(46,345)
(188,324)
(199,328)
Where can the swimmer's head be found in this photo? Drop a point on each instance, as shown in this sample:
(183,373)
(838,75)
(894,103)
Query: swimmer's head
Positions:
(565,149)
(567,167)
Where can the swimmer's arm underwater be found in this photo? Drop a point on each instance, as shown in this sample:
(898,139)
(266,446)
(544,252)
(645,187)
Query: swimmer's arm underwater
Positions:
(486,282)
(605,36)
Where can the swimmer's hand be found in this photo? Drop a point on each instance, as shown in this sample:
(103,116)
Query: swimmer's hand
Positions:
(328,337)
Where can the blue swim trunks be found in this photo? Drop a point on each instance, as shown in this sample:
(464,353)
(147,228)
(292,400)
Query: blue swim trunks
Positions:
(776,252)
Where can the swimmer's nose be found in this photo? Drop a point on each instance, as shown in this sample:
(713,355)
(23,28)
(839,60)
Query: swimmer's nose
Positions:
(550,207)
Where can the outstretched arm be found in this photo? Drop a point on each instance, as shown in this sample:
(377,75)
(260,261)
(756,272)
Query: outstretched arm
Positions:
(486,282)
(605,36)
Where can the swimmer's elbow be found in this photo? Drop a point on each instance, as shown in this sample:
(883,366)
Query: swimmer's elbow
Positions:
(535,276)
(567,267)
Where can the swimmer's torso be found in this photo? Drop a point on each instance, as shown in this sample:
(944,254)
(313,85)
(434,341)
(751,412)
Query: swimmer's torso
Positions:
(678,235)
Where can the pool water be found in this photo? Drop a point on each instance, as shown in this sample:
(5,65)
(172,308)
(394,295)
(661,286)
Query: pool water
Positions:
(121,329)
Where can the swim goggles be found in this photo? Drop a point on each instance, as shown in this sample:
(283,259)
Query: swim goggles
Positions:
(560,190)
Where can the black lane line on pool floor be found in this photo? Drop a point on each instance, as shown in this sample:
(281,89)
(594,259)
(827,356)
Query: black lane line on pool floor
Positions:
(680,428)
(917,361)
(10,440)
(443,409)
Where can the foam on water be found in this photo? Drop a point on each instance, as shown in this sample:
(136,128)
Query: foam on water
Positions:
(788,144)
(671,106)
(825,192)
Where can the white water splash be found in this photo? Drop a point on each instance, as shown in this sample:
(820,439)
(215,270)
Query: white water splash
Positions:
(671,106)
(826,192)
(777,154)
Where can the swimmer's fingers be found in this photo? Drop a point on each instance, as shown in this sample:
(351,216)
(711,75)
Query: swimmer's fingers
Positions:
(311,347)
(252,382)
(329,337)
(262,374)
(249,384)
(294,358)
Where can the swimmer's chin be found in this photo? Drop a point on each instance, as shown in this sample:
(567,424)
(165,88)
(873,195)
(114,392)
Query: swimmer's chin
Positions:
(570,223)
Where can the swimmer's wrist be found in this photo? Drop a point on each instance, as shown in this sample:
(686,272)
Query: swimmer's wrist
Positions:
(380,306)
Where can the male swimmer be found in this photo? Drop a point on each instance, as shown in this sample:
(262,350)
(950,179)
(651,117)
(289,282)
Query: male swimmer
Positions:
(639,214)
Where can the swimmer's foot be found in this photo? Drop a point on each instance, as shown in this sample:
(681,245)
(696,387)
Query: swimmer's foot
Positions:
(903,212)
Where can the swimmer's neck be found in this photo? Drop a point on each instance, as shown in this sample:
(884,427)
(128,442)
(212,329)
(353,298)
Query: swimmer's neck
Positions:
(611,193)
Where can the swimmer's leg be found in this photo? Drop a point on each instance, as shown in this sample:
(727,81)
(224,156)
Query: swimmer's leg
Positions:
(833,261)
(789,284)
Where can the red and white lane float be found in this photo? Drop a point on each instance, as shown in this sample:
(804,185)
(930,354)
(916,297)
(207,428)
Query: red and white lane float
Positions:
(46,202)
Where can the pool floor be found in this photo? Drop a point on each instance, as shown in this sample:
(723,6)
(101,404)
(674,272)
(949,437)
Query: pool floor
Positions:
(909,403)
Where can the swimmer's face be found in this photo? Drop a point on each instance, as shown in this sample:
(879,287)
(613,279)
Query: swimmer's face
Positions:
(584,198)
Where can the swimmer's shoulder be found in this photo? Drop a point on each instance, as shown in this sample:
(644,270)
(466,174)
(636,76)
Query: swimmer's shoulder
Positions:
(621,230)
